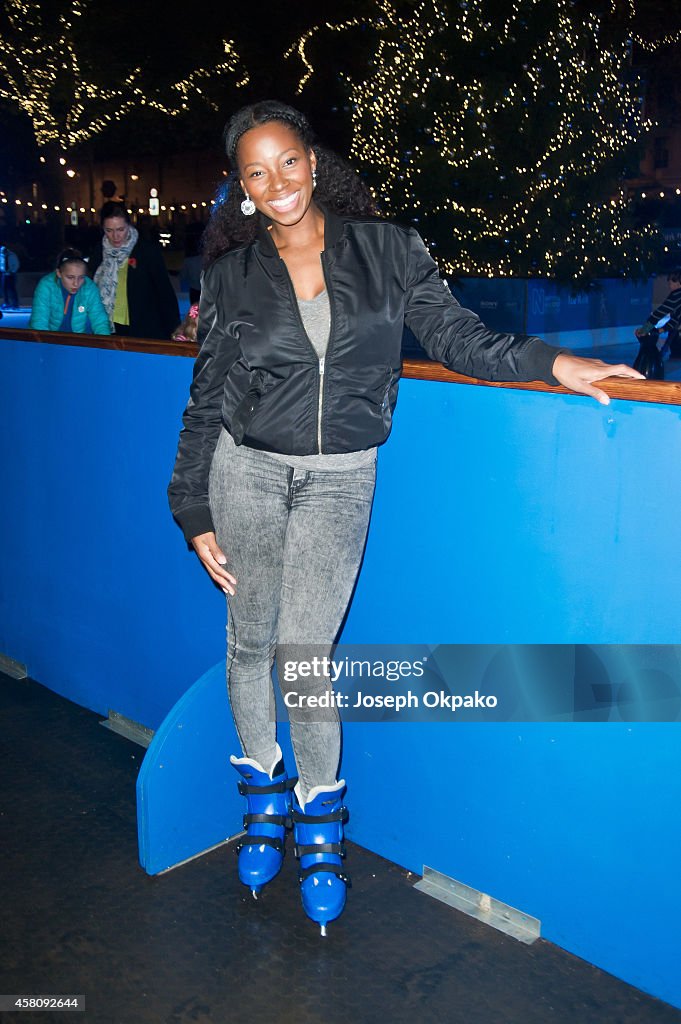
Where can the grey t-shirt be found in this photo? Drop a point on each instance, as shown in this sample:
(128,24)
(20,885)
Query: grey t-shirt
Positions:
(316,316)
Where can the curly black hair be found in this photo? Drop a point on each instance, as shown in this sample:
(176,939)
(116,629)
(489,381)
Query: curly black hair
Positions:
(339,187)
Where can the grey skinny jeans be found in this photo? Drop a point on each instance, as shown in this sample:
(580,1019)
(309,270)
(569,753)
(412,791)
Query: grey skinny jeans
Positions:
(294,540)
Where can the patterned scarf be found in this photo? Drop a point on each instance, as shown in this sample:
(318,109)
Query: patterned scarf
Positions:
(106,275)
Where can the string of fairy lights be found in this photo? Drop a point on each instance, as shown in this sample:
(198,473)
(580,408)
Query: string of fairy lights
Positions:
(650,45)
(28,204)
(36,56)
(415,108)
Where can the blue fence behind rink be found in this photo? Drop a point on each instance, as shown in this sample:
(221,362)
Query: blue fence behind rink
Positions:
(603,315)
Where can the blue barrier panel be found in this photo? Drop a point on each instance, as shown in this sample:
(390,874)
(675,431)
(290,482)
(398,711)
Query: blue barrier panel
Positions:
(527,519)
(500,517)
(186,799)
(574,824)
(523,518)
(100,597)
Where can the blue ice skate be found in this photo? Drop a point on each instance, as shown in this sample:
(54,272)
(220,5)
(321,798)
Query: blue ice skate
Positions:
(268,815)
(318,833)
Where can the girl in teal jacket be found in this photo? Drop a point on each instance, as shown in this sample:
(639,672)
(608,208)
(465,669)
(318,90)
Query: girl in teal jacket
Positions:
(67,300)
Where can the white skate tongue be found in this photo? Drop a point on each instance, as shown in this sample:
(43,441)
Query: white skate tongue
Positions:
(315,791)
(251,763)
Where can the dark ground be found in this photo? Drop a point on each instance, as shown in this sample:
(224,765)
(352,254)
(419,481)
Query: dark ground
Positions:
(79,916)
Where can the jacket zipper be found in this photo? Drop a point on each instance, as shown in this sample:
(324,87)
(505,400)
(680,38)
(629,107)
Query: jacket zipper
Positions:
(320,404)
(321,360)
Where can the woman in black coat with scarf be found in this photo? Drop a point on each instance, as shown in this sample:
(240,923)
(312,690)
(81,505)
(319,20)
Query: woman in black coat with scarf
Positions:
(132,279)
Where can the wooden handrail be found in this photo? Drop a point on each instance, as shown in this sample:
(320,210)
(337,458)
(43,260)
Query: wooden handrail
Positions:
(662,392)
(112,341)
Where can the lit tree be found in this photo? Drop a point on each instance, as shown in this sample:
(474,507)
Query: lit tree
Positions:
(41,73)
(504,131)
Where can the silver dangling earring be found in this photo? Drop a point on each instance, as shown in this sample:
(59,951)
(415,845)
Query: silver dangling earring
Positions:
(248,206)
(314,180)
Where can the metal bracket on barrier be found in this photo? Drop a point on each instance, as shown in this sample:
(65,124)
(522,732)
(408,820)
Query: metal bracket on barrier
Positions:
(127,727)
(15,669)
(479,905)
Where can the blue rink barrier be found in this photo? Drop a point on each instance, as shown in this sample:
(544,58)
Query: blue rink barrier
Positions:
(501,517)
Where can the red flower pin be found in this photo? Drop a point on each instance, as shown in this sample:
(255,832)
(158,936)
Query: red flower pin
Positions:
(132,262)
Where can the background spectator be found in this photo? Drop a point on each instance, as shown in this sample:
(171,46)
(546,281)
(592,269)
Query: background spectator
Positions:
(132,279)
(67,300)
(190,275)
(9,266)
(187,330)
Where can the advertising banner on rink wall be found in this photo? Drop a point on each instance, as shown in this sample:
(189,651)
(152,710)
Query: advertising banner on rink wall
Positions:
(608,303)
(480,682)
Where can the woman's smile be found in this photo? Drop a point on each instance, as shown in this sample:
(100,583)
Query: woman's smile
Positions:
(287,203)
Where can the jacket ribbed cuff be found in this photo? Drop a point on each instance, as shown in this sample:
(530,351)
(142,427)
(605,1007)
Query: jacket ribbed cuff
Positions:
(195,520)
(543,358)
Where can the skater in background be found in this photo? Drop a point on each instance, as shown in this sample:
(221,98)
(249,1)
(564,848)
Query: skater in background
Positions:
(670,307)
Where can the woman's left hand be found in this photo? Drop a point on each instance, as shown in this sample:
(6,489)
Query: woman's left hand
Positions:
(578,374)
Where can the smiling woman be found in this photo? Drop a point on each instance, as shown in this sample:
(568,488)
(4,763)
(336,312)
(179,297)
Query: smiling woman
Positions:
(302,311)
(338,186)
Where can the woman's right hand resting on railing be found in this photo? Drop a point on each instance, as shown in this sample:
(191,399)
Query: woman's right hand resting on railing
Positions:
(214,561)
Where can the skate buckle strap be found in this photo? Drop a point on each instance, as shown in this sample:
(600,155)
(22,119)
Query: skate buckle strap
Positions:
(267,819)
(311,848)
(331,869)
(276,787)
(272,841)
(319,819)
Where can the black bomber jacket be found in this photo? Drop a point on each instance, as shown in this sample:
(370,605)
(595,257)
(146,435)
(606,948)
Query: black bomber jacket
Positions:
(258,374)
